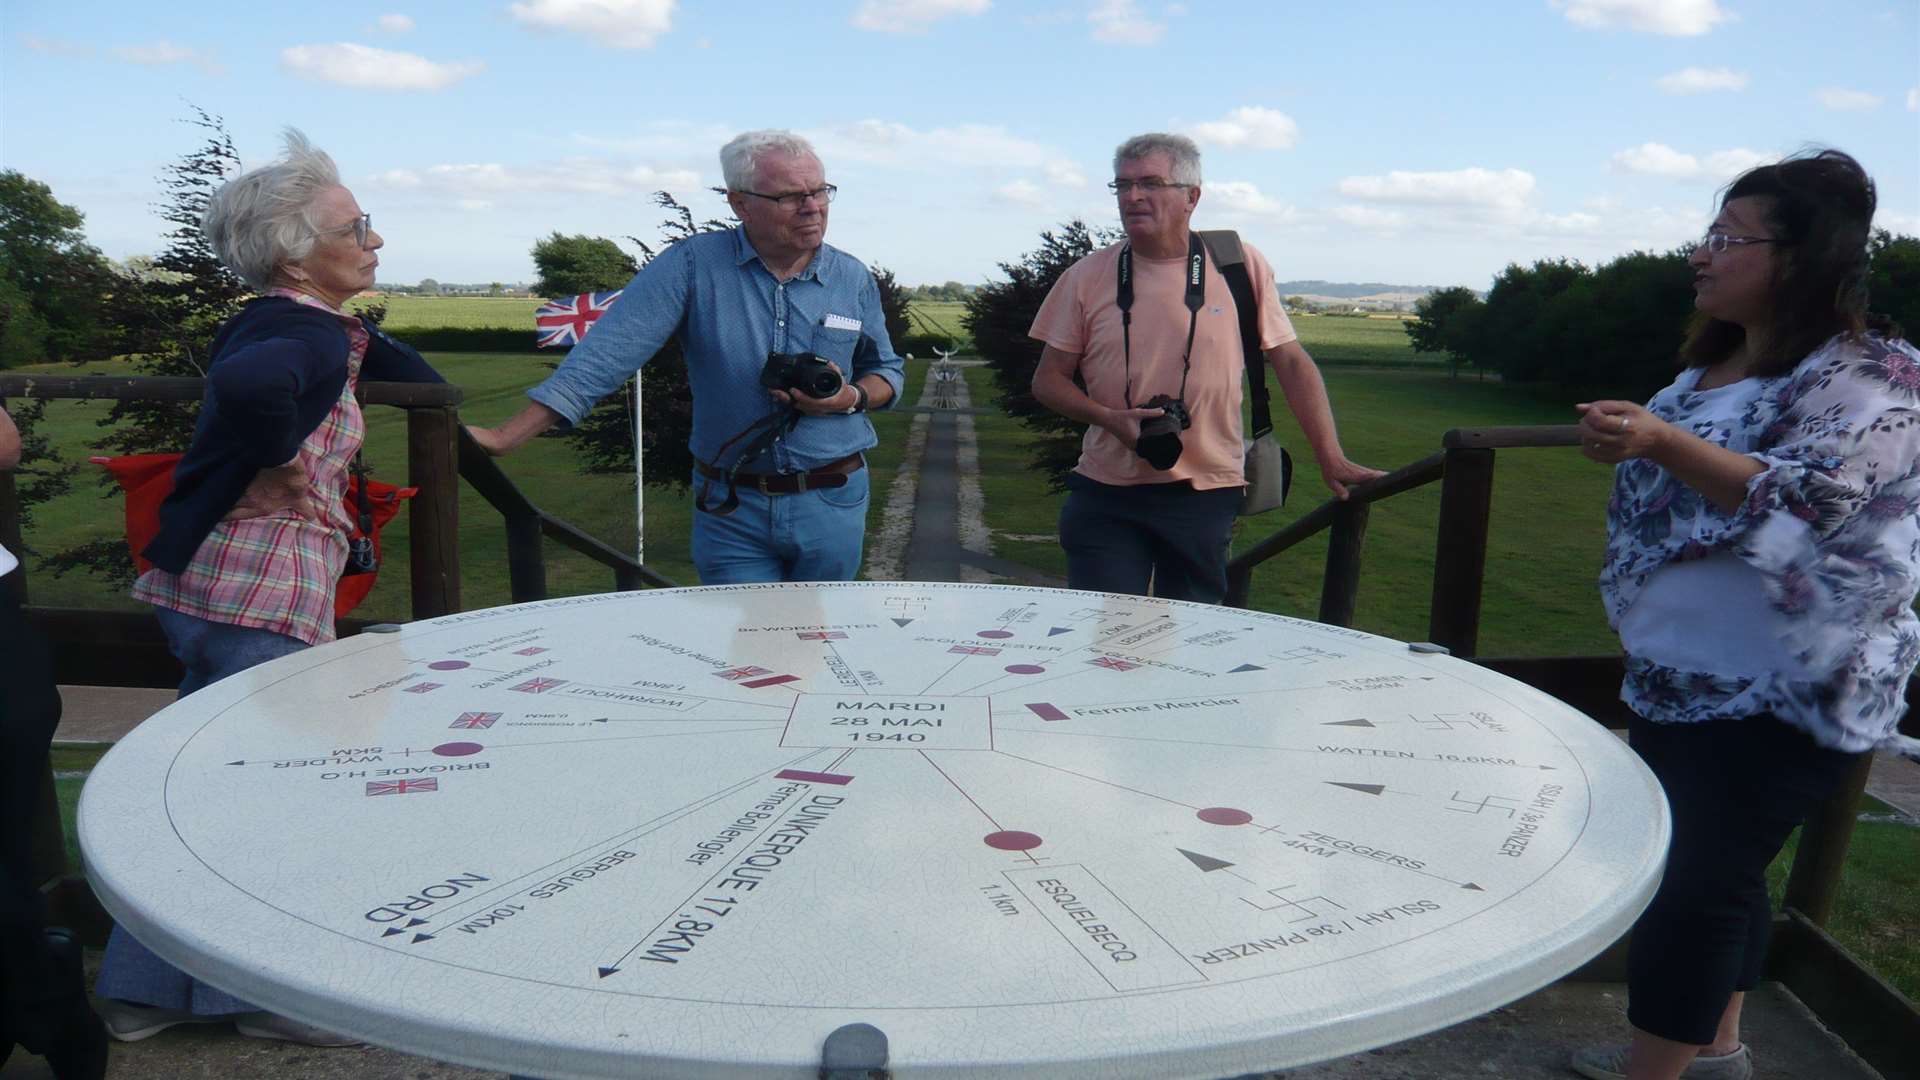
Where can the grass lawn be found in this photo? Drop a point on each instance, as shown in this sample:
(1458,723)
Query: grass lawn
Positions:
(465,312)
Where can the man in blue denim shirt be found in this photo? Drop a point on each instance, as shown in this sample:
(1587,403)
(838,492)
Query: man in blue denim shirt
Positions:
(770,286)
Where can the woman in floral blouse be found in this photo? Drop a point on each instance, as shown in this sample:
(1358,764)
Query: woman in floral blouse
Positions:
(1763,553)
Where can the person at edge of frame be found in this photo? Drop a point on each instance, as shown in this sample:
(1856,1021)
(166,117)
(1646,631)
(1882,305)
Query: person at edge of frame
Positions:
(744,300)
(43,993)
(1127,523)
(1763,554)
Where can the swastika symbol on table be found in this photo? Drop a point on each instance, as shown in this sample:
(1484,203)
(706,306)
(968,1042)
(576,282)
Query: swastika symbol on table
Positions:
(1305,905)
(1487,802)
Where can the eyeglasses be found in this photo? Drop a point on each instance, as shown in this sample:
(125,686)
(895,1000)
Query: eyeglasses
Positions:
(1715,243)
(1148,186)
(792,200)
(361,228)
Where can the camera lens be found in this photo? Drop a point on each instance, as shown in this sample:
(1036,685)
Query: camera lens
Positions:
(823,384)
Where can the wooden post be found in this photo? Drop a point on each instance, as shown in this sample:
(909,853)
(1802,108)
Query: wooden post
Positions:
(1340,585)
(1815,879)
(433,516)
(1460,550)
(526,563)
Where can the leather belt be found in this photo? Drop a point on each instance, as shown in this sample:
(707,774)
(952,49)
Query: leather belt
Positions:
(831,475)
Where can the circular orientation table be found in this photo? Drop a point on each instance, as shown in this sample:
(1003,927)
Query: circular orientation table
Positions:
(1021,832)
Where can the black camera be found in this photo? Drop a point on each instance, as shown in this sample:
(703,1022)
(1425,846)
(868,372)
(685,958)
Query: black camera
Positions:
(801,373)
(1159,439)
(360,557)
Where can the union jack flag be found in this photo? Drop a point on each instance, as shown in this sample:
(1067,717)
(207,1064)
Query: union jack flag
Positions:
(531,650)
(748,672)
(538,686)
(822,635)
(402,787)
(974,650)
(1110,662)
(423,687)
(565,322)
(475,720)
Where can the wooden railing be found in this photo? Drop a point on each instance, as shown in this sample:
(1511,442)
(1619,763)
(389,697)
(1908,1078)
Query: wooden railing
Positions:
(1875,1019)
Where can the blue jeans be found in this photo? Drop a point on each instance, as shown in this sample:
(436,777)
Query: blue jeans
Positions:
(210,651)
(807,536)
(1118,538)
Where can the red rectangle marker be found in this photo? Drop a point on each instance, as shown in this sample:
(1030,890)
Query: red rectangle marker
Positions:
(812,777)
(1045,711)
(773,681)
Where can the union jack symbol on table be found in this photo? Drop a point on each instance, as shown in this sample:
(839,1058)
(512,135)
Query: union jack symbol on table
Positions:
(822,635)
(748,672)
(565,322)
(974,650)
(423,687)
(475,720)
(531,650)
(538,686)
(1110,662)
(402,787)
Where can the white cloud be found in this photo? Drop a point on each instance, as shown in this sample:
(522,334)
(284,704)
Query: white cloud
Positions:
(1250,126)
(1695,80)
(1659,159)
(1239,197)
(1022,193)
(395,24)
(479,183)
(1367,217)
(1120,22)
(1913,99)
(888,143)
(1065,174)
(1502,189)
(55,48)
(165,53)
(623,24)
(912,16)
(1675,18)
(368,68)
(1841,99)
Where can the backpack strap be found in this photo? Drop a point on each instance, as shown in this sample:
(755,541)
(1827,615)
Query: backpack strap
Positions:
(1224,247)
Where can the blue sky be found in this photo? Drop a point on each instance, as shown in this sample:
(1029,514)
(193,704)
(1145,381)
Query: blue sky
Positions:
(1412,143)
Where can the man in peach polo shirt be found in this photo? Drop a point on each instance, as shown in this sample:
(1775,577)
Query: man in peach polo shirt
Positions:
(1161,512)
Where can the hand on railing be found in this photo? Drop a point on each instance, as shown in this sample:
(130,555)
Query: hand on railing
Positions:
(1341,474)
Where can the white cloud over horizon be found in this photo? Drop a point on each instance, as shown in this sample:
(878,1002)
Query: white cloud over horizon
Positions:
(622,24)
(1671,18)
(1121,22)
(395,23)
(163,53)
(1251,126)
(1695,80)
(912,16)
(1492,189)
(367,68)
(483,182)
(1659,159)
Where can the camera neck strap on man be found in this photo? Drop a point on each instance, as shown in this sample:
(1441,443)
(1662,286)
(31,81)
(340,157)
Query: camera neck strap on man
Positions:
(764,432)
(1196,271)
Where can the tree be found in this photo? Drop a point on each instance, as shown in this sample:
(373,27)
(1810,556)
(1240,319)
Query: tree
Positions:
(55,288)
(1441,319)
(428,287)
(998,316)
(571,265)
(1893,284)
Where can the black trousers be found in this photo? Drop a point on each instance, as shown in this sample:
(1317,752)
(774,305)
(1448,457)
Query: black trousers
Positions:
(1119,538)
(1737,788)
(38,994)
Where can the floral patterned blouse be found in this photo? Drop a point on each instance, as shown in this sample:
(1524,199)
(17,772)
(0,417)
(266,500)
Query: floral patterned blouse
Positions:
(1832,527)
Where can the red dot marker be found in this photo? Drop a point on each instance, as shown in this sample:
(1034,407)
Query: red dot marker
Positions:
(1224,815)
(994,634)
(1024,669)
(457,749)
(1012,841)
(448,665)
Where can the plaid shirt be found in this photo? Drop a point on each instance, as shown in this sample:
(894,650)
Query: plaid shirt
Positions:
(278,572)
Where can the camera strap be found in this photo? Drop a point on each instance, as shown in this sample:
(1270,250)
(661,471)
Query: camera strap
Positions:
(1196,298)
(765,432)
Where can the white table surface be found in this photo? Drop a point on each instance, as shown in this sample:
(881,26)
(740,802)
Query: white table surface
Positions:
(1024,832)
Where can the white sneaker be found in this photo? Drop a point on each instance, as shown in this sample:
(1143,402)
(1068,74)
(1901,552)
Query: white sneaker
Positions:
(1610,1063)
(130,1021)
(266,1025)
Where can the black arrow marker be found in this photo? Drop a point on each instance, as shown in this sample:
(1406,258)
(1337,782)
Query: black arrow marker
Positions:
(896,622)
(418,938)
(1058,630)
(606,971)
(1349,723)
(1206,863)
(1369,789)
(1246,667)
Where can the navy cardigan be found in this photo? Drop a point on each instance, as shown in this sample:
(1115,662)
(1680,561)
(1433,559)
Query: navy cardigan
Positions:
(278,368)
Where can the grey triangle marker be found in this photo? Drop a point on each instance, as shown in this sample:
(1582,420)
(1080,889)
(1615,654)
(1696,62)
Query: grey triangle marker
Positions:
(1370,789)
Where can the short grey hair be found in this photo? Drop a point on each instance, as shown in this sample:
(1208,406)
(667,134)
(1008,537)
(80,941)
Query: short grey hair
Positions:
(1179,149)
(740,157)
(261,219)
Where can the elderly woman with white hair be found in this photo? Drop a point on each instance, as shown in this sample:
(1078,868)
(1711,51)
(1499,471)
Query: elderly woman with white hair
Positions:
(253,538)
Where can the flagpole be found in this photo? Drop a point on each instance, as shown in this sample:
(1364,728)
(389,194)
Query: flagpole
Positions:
(639,482)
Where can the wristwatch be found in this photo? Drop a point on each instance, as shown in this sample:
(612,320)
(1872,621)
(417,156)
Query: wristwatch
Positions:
(860,405)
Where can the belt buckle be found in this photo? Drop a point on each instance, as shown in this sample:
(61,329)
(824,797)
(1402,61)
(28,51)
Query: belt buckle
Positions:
(800,482)
(760,481)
